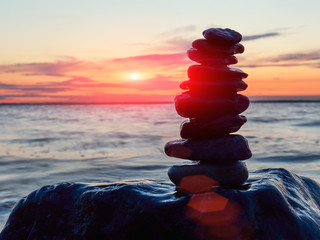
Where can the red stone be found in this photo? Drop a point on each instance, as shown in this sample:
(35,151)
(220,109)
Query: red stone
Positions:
(218,88)
(209,59)
(197,184)
(233,174)
(211,73)
(194,107)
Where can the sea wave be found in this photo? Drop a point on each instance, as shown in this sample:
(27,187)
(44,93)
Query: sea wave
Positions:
(290,158)
(315,123)
(46,144)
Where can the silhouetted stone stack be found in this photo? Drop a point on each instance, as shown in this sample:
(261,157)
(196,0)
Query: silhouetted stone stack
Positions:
(213,107)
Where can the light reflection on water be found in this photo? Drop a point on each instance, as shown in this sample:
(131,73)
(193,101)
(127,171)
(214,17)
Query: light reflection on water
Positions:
(46,144)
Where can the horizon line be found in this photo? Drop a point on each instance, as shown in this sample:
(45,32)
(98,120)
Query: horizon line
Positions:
(149,103)
(279,98)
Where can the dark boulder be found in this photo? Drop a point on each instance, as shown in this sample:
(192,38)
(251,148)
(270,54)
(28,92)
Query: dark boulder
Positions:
(274,204)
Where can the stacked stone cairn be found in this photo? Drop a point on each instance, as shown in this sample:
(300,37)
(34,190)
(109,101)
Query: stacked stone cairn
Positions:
(212,105)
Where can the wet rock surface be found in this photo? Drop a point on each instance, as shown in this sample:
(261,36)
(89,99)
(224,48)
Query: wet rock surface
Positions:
(273,204)
(210,73)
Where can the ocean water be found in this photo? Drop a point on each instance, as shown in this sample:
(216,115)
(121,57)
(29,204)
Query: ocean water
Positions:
(47,144)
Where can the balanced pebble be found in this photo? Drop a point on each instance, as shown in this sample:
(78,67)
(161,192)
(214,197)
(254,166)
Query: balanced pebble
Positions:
(194,107)
(224,149)
(213,105)
(207,59)
(222,37)
(206,46)
(214,88)
(209,129)
(211,73)
(233,174)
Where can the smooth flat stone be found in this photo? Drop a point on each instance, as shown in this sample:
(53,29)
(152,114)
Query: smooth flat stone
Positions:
(222,37)
(195,107)
(205,58)
(214,88)
(233,174)
(225,149)
(215,128)
(236,84)
(211,73)
(204,45)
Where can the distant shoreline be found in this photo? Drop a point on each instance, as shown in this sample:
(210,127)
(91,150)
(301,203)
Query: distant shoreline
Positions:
(151,103)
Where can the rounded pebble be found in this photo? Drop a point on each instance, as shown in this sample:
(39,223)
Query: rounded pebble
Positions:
(206,46)
(195,107)
(208,59)
(229,175)
(214,88)
(209,73)
(209,129)
(222,37)
(226,149)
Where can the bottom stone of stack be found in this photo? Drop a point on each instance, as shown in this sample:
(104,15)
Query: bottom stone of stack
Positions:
(208,175)
(223,150)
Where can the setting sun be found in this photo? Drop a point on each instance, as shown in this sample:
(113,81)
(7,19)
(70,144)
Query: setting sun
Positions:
(134,76)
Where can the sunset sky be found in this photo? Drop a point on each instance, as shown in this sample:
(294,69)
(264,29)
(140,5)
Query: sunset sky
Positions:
(134,50)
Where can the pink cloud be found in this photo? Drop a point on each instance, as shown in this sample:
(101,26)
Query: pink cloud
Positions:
(310,59)
(91,98)
(156,60)
(71,65)
(159,82)
(118,98)
(85,77)
(58,68)
(73,75)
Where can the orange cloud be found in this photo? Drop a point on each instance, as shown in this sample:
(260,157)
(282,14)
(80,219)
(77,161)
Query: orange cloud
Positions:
(73,80)
(58,68)
(104,81)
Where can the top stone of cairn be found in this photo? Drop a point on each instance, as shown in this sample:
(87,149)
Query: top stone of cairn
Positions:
(222,37)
